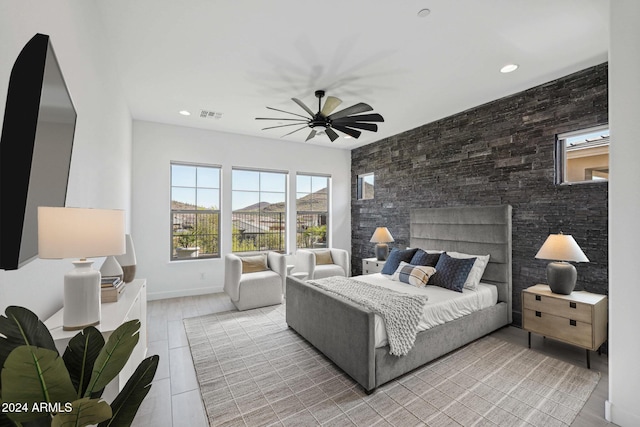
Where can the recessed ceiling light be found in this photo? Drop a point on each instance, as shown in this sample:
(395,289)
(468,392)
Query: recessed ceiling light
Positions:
(185,113)
(347,137)
(509,68)
(423,12)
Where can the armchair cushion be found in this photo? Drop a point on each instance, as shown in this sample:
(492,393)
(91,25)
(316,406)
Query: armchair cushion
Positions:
(323,257)
(255,263)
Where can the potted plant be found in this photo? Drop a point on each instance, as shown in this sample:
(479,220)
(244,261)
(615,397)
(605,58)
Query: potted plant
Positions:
(40,388)
(186,244)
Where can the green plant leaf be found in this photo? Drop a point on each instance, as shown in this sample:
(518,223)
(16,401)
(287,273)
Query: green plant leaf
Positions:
(32,375)
(84,412)
(22,327)
(126,404)
(113,356)
(80,356)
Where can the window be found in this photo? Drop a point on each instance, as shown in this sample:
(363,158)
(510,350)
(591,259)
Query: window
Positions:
(195,211)
(583,156)
(259,210)
(365,186)
(312,195)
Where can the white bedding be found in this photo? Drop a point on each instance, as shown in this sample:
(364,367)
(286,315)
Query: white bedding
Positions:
(443,305)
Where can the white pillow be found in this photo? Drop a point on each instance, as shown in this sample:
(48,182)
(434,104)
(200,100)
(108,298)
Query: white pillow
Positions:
(473,279)
(415,275)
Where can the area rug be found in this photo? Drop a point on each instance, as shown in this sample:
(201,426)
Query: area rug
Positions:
(255,371)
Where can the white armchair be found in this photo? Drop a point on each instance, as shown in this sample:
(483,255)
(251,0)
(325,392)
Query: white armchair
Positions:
(258,288)
(306,261)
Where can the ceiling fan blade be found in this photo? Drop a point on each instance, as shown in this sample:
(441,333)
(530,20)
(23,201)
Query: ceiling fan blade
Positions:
(360,107)
(280,118)
(329,105)
(331,134)
(366,126)
(375,117)
(281,126)
(311,135)
(288,112)
(352,132)
(294,131)
(304,107)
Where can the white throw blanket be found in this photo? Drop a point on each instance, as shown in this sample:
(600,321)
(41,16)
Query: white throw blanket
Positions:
(400,312)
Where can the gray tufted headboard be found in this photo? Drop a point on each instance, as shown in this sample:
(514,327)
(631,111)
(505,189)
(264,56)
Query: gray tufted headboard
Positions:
(476,230)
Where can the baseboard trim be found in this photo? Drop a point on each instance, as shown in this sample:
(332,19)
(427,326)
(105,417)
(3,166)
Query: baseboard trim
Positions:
(152,296)
(621,417)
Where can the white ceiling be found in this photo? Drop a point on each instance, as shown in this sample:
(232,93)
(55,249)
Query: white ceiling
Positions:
(238,57)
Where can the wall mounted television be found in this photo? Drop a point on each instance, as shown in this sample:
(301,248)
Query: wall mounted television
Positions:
(35,149)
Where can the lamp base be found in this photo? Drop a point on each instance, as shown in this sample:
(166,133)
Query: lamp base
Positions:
(561,277)
(382,251)
(81,297)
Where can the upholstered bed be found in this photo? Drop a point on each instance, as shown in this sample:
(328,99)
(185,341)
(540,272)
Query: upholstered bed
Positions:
(345,331)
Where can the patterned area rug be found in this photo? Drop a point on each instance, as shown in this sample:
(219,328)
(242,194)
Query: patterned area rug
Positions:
(255,371)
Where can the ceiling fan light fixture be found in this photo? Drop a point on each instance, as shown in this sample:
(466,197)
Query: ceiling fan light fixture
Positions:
(424,12)
(326,121)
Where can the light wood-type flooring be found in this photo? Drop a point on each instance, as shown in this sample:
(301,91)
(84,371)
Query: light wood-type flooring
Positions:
(174,399)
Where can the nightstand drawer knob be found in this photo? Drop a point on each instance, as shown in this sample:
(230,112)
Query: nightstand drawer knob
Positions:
(538,314)
(572,322)
(538,298)
(572,304)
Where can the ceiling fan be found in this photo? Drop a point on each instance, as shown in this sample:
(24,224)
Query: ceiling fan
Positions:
(324,121)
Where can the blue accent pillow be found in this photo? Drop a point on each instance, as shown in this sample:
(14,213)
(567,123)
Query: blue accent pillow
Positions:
(395,258)
(451,273)
(424,258)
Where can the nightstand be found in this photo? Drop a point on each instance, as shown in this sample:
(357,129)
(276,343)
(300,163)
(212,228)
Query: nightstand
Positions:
(579,318)
(372,265)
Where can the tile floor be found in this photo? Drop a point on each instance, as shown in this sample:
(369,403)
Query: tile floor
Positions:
(174,399)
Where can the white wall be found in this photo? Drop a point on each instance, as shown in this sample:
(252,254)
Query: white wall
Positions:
(156,145)
(623,406)
(101,161)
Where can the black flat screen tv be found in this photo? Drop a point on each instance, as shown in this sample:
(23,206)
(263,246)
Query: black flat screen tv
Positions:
(35,149)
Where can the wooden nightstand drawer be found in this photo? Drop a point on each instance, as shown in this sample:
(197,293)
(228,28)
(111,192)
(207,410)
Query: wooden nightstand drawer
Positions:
(559,307)
(568,330)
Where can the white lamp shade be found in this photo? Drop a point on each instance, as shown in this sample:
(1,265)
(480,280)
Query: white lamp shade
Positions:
(80,232)
(381,235)
(561,247)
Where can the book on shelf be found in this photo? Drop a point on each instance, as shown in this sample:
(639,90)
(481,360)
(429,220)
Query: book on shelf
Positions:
(110,281)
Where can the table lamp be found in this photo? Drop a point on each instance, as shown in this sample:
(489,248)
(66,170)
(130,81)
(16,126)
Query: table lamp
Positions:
(80,233)
(560,248)
(381,237)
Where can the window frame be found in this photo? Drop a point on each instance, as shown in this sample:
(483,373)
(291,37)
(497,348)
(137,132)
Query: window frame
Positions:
(327,213)
(173,253)
(282,246)
(561,169)
(361,180)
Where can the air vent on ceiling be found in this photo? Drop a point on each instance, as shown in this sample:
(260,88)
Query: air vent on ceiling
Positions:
(206,114)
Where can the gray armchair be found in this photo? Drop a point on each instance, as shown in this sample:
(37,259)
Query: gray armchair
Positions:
(306,262)
(255,289)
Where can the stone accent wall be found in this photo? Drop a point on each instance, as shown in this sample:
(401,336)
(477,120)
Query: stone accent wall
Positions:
(501,152)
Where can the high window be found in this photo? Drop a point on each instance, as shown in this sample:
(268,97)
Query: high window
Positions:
(259,210)
(195,211)
(583,156)
(365,186)
(312,211)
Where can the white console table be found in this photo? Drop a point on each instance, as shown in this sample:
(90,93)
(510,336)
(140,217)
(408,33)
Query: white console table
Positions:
(131,305)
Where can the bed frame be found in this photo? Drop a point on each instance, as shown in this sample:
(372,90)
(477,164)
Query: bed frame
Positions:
(344,331)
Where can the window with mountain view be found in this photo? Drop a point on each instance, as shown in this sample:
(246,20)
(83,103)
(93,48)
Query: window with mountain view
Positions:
(258,210)
(195,211)
(312,211)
